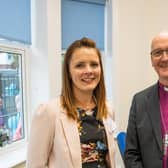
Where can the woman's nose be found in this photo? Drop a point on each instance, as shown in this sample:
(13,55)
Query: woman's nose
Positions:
(88,69)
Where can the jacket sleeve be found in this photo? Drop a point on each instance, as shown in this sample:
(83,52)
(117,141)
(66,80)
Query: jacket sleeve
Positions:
(41,138)
(132,156)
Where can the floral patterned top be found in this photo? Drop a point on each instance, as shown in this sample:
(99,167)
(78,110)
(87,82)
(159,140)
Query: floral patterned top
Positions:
(92,138)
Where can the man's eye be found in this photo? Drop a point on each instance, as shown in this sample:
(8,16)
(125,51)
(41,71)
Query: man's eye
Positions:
(158,52)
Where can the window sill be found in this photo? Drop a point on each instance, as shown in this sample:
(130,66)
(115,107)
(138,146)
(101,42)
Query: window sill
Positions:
(12,156)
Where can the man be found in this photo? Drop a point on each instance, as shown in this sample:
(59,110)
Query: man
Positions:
(147,130)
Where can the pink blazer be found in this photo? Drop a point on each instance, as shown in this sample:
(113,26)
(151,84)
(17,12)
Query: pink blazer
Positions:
(54,139)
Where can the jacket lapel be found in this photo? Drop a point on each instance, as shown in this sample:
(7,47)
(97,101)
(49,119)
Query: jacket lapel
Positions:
(72,138)
(153,109)
(110,126)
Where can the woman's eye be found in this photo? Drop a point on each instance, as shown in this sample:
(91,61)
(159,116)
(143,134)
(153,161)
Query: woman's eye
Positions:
(79,66)
(94,65)
(83,65)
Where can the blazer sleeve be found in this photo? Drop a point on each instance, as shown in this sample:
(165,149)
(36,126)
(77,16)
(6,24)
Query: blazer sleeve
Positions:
(132,156)
(41,138)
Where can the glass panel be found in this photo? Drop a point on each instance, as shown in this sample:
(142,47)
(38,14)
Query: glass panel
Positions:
(11,97)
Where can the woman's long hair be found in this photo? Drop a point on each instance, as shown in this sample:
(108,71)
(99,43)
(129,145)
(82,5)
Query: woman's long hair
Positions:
(67,96)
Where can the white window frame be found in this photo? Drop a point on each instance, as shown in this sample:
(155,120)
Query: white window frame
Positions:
(15,153)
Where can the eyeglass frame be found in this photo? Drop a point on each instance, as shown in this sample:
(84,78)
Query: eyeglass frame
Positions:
(158,52)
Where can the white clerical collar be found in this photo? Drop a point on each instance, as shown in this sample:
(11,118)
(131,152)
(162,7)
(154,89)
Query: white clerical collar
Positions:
(165,88)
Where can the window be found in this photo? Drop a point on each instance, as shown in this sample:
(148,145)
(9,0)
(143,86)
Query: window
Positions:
(11,96)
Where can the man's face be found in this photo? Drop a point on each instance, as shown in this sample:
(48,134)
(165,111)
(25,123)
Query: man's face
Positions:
(159,57)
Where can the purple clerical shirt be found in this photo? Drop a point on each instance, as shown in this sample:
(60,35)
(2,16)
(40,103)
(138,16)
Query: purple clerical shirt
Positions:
(163,93)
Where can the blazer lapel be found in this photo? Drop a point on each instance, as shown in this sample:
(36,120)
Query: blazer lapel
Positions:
(72,138)
(153,109)
(110,126)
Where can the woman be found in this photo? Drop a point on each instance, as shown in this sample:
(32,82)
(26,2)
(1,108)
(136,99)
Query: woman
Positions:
(76,129)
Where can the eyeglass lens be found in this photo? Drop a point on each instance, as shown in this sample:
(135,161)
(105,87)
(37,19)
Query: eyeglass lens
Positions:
(159,52)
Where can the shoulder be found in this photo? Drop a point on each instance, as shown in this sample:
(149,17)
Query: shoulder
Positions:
(48,109)
(147,91)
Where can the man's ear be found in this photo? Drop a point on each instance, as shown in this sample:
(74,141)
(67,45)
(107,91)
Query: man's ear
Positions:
(152,62)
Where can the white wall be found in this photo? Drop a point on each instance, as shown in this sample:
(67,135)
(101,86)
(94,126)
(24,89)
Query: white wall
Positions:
(134,25)
(45,58)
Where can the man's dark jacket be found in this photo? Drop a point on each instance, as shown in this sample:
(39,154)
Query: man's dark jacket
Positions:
(144,139)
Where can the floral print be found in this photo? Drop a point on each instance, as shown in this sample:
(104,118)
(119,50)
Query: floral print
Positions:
(93,139)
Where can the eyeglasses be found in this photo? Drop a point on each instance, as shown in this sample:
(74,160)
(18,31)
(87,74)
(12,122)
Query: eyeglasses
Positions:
(159,52)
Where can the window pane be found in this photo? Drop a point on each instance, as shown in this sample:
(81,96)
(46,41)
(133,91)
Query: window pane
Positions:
(11,97)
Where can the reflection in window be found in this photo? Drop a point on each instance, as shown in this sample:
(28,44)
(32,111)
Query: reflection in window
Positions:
(11,97)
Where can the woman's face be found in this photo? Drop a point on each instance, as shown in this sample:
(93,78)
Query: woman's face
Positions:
(85,70)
